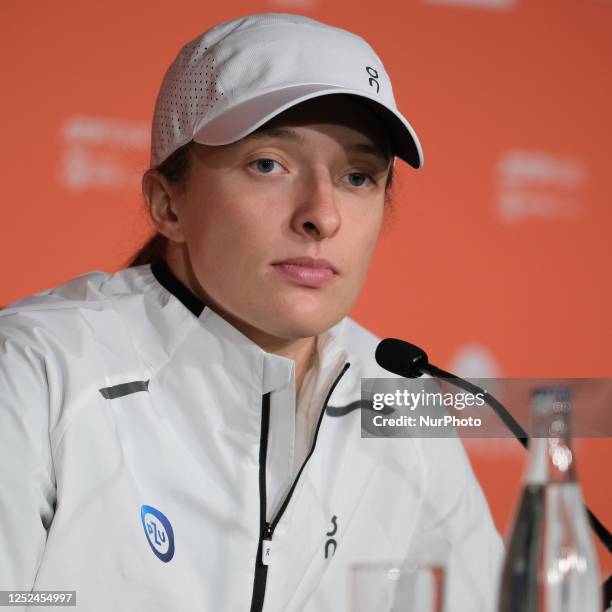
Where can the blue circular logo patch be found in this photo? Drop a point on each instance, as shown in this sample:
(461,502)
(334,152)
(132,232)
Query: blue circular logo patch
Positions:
(159,532)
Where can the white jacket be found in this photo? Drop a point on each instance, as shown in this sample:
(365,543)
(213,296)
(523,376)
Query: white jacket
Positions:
(147,451)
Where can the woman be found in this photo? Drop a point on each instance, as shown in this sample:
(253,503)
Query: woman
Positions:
(179,435)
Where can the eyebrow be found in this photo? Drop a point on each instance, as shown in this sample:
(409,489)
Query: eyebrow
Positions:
(289,134)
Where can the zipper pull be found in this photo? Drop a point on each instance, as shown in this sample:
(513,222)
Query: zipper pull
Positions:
(266,545)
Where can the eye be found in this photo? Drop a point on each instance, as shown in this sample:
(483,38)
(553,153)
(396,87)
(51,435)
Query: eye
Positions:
(264,165)
(360,178)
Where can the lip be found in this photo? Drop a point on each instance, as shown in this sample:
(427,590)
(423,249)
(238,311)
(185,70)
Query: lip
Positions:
(307,271)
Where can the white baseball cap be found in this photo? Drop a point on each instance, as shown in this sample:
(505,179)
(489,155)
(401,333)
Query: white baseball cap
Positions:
(241,73)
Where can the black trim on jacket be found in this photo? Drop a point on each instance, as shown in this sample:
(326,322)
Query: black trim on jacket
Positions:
(169,281)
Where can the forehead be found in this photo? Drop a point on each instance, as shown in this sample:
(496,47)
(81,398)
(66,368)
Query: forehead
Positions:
(335,109)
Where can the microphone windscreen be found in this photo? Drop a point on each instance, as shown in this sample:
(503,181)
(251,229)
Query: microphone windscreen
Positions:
(401,357)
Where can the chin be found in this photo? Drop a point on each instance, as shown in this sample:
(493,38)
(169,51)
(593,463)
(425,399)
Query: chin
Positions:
(303,326)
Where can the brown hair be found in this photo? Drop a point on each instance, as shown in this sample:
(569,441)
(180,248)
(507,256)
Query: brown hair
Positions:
(176,169)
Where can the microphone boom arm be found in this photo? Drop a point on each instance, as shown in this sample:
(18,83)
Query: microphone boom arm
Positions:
(511,423)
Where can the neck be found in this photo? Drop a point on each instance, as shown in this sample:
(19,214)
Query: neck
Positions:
(301,350)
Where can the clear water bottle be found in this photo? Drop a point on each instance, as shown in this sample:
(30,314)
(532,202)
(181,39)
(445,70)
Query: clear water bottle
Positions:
(550,564)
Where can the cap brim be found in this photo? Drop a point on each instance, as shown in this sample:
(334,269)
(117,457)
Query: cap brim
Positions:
(244,118)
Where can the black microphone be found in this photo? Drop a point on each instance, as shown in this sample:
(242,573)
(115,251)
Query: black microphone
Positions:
(401,358)
(410,361)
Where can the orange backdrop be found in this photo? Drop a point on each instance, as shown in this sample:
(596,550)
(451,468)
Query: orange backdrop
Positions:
(496,258)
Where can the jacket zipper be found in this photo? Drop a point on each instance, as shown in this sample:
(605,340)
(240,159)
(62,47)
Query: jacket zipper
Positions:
(266,530)
(261,569)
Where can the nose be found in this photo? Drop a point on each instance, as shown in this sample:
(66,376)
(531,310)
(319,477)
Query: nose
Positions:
(316,214)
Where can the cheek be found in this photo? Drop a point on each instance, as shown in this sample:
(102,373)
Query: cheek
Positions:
(225,242)
(205,234)
(202,236)
(363,240)
(361,244)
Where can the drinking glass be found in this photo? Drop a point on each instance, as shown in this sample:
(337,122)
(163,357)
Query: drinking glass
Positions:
(414,585)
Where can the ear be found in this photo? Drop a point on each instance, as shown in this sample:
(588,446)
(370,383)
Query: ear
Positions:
(163,201)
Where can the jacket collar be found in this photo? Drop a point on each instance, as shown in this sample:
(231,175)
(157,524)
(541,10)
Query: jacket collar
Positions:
(277,370)
(169,281)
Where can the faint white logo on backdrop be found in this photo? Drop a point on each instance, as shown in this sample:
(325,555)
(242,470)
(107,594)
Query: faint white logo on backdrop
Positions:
(96,152)
(538,184)
(486,4)
(294,3)
(474,361)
